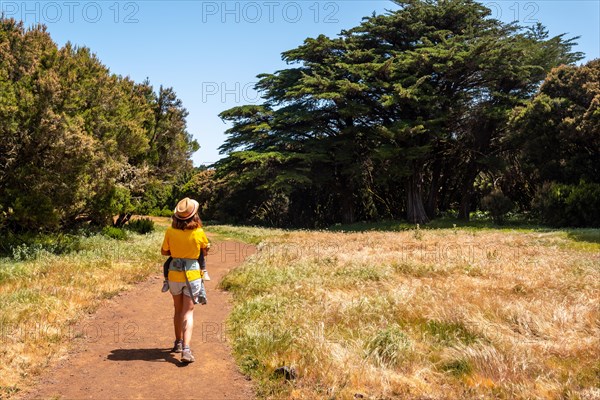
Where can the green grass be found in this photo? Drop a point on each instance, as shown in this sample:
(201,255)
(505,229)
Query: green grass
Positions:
(449,333)
(439,223)
(584,239)
(28,246)
(256,336)
(584,235)
(389,346)
(458,367)
(516,224)
(246,234)
(114,233)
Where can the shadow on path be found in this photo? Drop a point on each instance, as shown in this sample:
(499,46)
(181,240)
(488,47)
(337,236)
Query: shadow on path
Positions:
(151,355)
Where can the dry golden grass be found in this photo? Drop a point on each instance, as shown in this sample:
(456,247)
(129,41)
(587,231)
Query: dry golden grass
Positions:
(41,299)
(429,314)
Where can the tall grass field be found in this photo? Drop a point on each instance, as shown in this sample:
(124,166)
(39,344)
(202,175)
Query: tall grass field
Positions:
(419,314)
(447,313)
(44,295)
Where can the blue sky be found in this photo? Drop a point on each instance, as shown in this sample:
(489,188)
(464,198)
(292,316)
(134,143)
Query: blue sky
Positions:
(211,51)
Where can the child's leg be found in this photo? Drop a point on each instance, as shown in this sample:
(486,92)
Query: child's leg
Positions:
(166,267)
(202,294)
(165,287)
(202,260)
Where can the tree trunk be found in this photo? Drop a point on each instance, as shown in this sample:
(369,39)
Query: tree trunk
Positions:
(347,208)
(122,220)
(464,210)
(415,211)
(444,193)
(466,191)
(432,198)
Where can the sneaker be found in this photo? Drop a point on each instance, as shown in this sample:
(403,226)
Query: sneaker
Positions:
(165,287)
(205,275)
(177,347)
(187,356)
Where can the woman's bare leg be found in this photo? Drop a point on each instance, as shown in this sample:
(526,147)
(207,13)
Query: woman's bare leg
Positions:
(178,316)
(187,317)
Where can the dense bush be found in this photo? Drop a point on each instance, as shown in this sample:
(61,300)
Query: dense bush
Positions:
(498,205)
(155,196)
(114,233)
(28,246)
(273,211)
(79,144)
(161,213)
(568,205)
(142,225)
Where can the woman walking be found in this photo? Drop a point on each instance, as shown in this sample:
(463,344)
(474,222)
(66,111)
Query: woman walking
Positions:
(184,241)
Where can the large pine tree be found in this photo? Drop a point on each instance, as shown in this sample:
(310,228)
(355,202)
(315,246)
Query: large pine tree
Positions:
(408,104)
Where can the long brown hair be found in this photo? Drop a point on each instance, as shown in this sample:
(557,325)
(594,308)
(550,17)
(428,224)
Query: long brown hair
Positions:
(188,224)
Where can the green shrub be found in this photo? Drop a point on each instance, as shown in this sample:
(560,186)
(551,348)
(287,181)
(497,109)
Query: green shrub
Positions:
(498,205)
(583,205)
(389,346)
(458,367)
(28,246)
(273,211)
(142,225)
(114,233)
(161,213)
(24,252)
(568,205)
(156,195)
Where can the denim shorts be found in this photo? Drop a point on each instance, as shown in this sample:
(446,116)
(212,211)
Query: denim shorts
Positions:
(180,287)
(183,264)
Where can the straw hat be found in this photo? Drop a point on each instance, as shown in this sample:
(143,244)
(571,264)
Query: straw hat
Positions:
(186,209)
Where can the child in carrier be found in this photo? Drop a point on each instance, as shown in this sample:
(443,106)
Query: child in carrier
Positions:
(203,271)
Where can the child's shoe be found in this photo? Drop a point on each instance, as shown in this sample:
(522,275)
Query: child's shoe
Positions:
(177,346)
(205,275)
(165,287)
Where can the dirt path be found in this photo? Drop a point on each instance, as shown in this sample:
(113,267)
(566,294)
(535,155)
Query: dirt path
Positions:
(125,352)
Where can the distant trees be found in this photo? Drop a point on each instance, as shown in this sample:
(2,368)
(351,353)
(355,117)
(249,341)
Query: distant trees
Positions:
(78,143)
(402,116)
(556,141)
(557,133)
(432,108)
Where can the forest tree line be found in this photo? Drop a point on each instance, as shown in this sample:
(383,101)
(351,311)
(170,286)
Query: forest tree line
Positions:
(433,109)
(78,144)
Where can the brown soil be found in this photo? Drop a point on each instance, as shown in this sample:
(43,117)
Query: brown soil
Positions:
(123,350)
